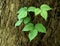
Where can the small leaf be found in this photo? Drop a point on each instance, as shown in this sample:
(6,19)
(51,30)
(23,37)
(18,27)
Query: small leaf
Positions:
(24,8)
(28,27)
(22,13)
(26,20)
(44,14)
(45,7)
(37,11)
(32,34)
(40,28)
(31,9)
(18,22)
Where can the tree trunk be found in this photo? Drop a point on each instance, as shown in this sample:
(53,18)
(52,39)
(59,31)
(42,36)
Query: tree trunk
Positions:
(13,36)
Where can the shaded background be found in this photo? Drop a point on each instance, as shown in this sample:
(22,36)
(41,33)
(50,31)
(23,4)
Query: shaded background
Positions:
(11,36)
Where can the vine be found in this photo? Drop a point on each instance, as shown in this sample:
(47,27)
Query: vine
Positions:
(29,26)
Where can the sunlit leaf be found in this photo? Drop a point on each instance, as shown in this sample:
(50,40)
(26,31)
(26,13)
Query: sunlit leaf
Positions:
(31,9)
(40,28)
(22,13)
(37,11)
(32,34)
(23,8)
(18,23)
(45,7)
(44,14)
(28,27)
(26,20)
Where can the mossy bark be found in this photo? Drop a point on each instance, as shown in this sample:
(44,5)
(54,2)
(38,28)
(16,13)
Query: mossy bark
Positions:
(13,36)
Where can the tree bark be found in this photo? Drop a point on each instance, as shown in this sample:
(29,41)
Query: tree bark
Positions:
(13,36)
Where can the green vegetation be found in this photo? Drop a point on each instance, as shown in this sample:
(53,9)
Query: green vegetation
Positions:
(33,29)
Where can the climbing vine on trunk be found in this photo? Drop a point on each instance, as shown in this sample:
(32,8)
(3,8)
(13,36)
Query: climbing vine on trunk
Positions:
(33,29)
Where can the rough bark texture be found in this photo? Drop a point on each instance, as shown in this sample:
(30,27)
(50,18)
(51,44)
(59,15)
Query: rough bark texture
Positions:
(12,36)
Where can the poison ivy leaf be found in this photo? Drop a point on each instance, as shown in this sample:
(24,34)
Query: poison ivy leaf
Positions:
(32,34)
(44,14)
(45,7)
(21,9)
(40,28)
(26,20)
(37,11)
(22,13)
(28,27)
(18,22)
(31,9)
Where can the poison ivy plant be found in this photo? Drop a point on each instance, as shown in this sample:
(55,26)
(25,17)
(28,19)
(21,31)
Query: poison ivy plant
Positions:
(44,14)
(40,28)
(37,11)
(29,26)
(31,9)
(22,13)
(26,20)
(32,34)
(44,8)
(34,29)
(18,22)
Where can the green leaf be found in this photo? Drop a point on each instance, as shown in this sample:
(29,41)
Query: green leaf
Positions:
(22,13)
(31,9)
(24,8)
(44,14)
(26,20)
(32,34)
(18,22)
(40,28)
(28,27)
(45,7)
(37,11)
